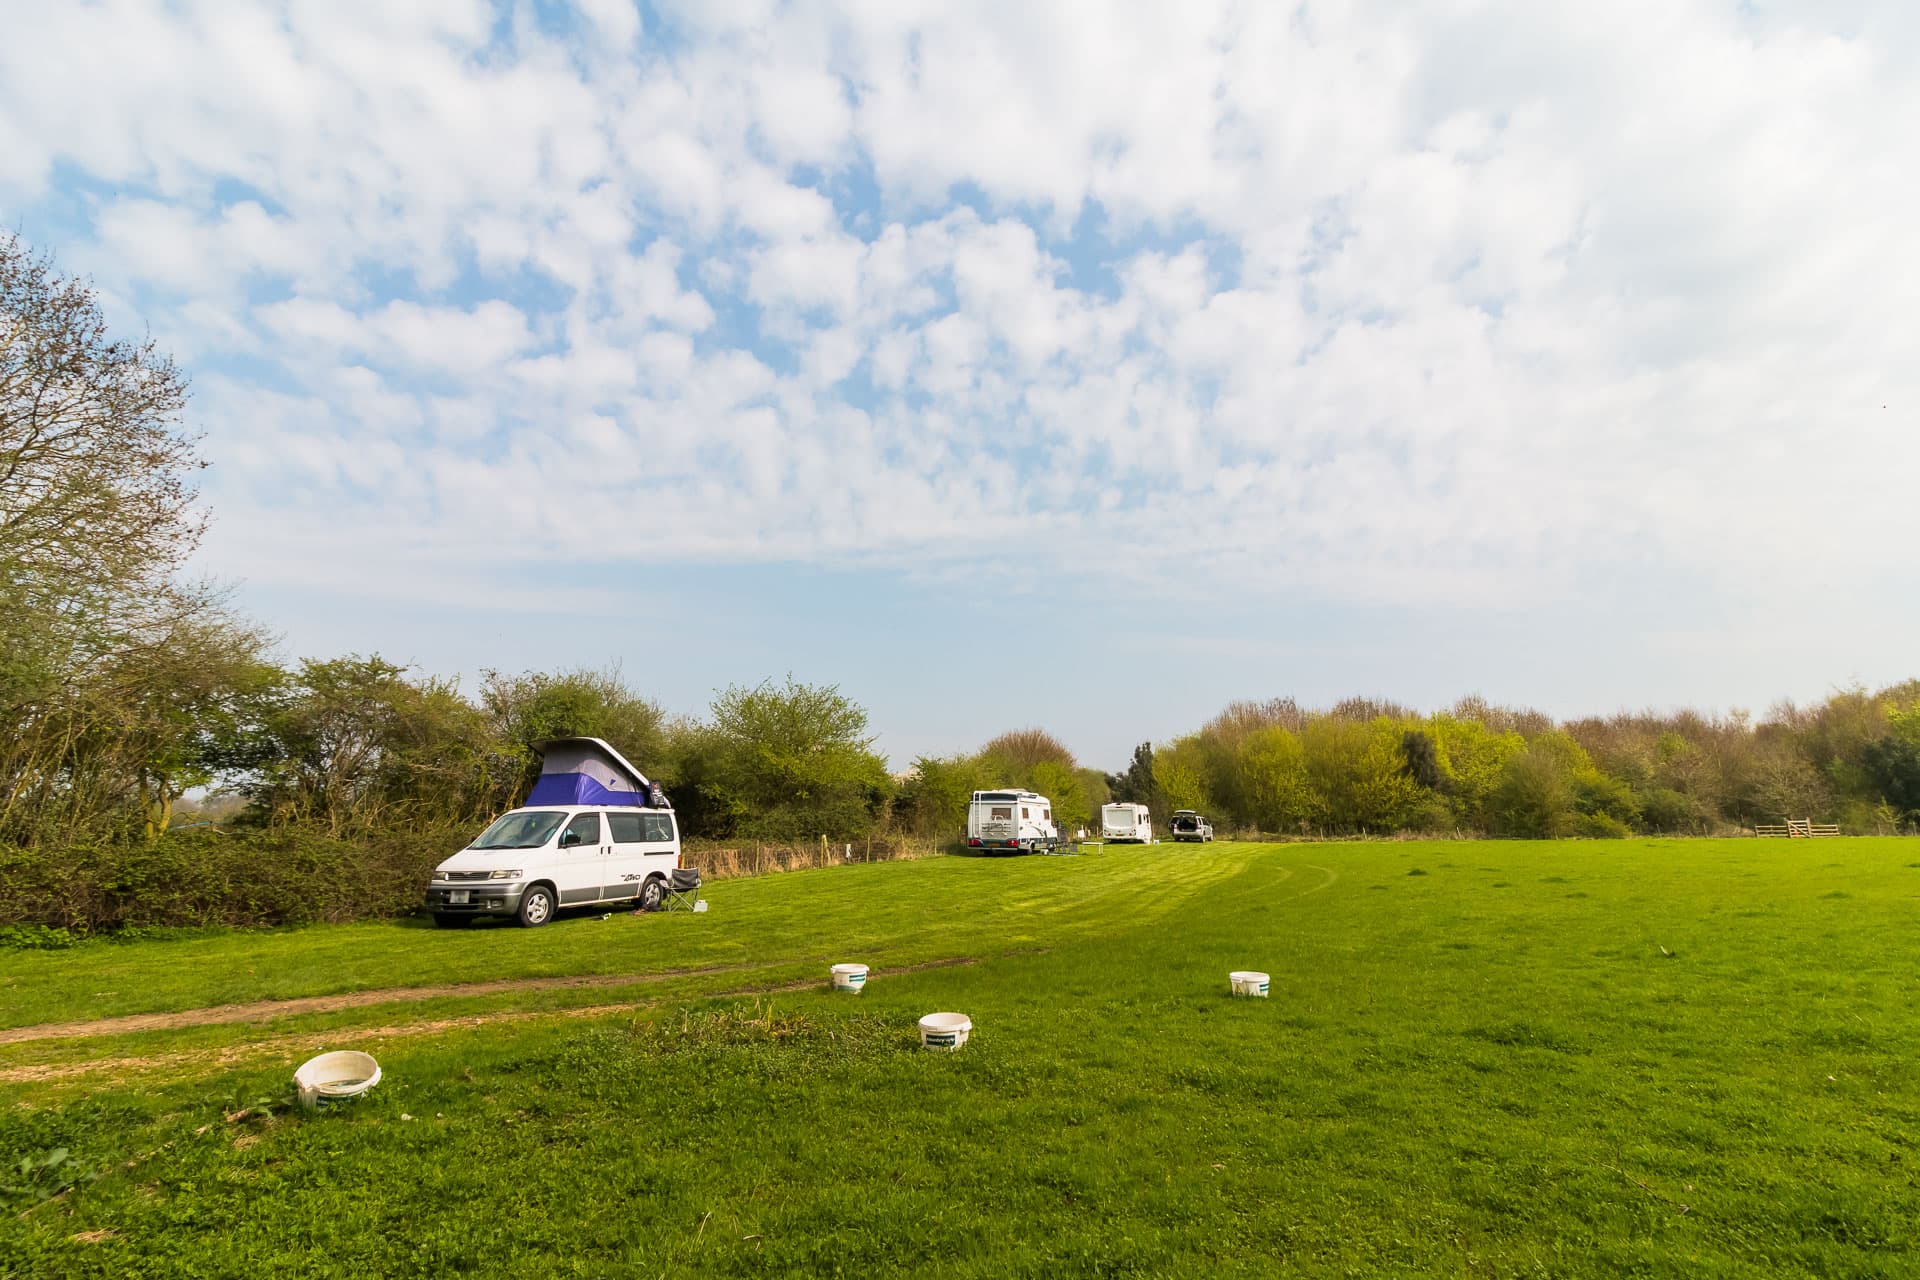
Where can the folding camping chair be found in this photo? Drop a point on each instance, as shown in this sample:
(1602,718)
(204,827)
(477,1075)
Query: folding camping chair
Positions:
(683,891)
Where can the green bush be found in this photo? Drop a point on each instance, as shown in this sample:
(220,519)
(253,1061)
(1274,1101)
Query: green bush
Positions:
(1599,826)
(1532,800)
(203,877)
(1665,810)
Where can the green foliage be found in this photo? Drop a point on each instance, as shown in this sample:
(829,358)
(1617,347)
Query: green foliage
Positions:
(1271,779)
(1358,771)
(793,760)
(1597,795)
(1597,826)
(932,802)
(1137,785)
(525,710)
(1180,772)
(35,1178)
(1533,799)
(1473,758)
(1665,810)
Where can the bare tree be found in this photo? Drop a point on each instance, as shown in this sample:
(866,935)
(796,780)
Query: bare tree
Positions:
(95,471)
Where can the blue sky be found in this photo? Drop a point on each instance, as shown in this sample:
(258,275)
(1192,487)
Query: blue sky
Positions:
(1080,365)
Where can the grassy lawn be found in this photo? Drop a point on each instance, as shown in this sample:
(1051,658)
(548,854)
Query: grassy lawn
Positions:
(1659,1058)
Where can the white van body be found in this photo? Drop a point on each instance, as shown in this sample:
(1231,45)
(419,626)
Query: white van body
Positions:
(561,855)
(593,830)
(1011,821)
(1126,823)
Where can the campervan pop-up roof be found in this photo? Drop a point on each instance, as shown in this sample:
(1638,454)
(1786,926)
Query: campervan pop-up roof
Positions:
(587,771)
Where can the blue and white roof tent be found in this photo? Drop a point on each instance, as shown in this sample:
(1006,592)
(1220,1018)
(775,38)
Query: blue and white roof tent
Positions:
(588,771)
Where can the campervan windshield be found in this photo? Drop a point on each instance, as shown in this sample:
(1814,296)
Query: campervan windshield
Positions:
(520,830)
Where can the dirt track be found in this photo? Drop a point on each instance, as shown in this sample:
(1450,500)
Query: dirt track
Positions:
(267,1010)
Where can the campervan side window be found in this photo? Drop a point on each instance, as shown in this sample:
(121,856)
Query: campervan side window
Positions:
(640,828)
(1024,813)
(584,829)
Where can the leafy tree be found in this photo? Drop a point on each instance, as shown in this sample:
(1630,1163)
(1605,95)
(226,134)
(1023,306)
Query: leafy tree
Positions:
(526,710)
(1357,769)
(1273,781)
(794,760)
(354,745)
(1180,776)
(933,800)
(101,649)
(1533,799)
(1893,761)
(1060,783)
(1018,753)
(1474,757)
(1137,784)
(95,492)
(1420,760)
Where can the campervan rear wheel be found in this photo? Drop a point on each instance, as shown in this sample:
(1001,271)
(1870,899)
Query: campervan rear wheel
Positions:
(651,894)
(536,907)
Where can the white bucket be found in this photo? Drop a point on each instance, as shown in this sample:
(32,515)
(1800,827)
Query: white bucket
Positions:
(335,1077)
(1246,982)
(849,977)
(946,1031)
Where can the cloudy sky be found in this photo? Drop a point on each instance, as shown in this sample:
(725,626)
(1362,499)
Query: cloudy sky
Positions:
(1065,363)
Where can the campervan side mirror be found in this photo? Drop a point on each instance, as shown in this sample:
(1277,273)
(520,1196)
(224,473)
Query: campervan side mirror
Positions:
(568,839)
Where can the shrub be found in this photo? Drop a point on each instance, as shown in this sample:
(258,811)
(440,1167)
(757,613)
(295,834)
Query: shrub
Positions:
(1598,826)
(1666,810)
(203,877)
(1532,800)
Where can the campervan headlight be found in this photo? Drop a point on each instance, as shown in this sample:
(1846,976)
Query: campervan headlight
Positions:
(504,875)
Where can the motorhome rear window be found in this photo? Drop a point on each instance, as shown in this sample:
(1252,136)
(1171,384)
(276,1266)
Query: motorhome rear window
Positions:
(999,795)
(1002,814)
(520,830)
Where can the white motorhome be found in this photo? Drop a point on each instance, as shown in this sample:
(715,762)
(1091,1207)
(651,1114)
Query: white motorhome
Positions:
(1011,821)
(1126,823)
(594,830)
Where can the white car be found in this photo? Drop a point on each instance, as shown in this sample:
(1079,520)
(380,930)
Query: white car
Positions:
(594,830)
(1189,827)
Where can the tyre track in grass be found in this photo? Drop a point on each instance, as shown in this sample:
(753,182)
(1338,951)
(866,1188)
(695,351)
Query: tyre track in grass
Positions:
(313,1041)
(268,1010)
(1331,877)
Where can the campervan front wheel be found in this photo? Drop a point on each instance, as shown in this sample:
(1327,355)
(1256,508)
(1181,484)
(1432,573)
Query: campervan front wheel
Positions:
(536,907)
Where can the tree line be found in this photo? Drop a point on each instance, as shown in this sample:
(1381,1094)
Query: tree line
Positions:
(128,691)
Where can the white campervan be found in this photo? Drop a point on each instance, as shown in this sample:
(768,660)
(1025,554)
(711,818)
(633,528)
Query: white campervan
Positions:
(1124,823)
(1011,821)
(593,830)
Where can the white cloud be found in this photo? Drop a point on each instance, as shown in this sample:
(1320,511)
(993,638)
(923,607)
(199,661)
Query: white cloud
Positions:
(1443,301)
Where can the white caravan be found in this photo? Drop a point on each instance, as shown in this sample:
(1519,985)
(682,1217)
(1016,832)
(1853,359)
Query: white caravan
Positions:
(1011,822)
(1126,823)
(593,830)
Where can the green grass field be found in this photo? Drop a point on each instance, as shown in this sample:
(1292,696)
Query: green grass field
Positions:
(1660,1058)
